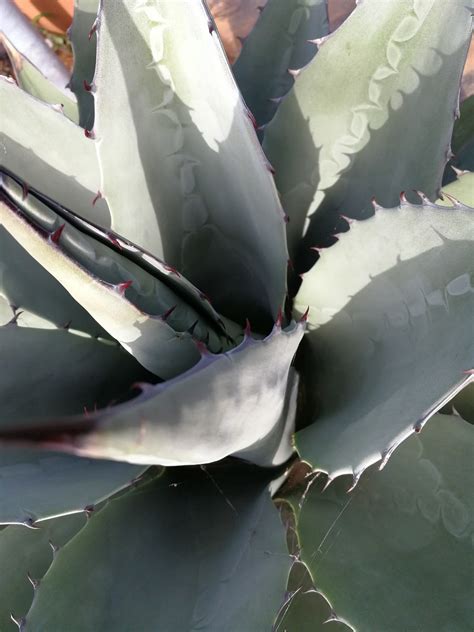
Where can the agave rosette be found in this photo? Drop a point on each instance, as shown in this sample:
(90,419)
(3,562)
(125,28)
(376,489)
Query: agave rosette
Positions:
(161,240)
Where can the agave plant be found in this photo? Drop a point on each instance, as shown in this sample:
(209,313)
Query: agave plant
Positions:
(184,445)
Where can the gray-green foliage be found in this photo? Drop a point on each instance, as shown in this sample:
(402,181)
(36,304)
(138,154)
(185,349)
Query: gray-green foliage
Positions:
(145,320)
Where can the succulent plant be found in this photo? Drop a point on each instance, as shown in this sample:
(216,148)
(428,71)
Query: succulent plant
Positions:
(212,345)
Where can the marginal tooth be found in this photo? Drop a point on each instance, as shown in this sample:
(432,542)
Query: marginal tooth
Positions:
(122,287)
(376,206)
(294,72)
(304,318)
(355,479)
(168,313)
(97,197)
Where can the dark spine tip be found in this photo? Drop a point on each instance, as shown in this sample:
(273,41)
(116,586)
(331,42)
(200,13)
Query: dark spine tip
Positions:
(290,265)
(114,240)
(304,318)
(87,86)
(279,318)
(55,237)
(25,191)
(248,328)
(171,269)
(191,329)
(252,119)
(89,133)
(168,313)
(97,197)
(89,510)
(121,287)
(211,27)
(93,29)
(201,347)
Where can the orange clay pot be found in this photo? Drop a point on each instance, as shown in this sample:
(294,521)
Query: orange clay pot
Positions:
(59,13)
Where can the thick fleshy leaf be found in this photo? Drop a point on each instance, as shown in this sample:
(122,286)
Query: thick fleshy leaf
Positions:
(61,372)
(279,42)
(396,553)
(359,120)
(26,38)
(199,551)
(306,609)
(461,189)
(391,304)
(462,144)
(27,553)
(37,207)
(50,153)
(84,45)
(240,403)
(33,296)
(32,80)
(463,404)
(135,307)
(36,485)
(183,145)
